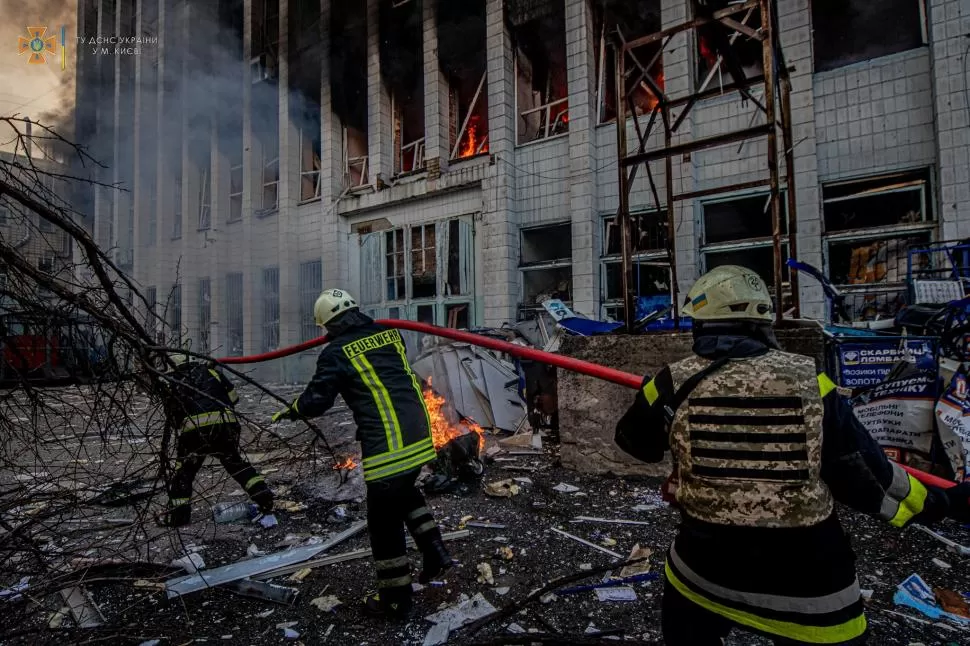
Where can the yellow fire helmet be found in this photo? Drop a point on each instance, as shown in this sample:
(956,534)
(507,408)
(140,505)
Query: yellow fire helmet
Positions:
(729,292)
(331,303)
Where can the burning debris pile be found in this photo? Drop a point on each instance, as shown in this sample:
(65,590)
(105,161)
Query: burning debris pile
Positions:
(459,443)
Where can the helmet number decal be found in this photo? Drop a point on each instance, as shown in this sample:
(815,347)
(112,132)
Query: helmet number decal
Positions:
(337,293)
(753,282)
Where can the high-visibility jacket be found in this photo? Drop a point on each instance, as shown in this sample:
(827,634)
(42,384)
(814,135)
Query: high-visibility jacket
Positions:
(201,395)
(763,445)
(367,365)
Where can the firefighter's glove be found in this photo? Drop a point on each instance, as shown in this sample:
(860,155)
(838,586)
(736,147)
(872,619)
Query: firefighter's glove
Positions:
(959,499)
(286,413)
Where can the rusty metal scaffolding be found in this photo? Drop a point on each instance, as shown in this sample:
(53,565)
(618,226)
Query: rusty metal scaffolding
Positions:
(632,74)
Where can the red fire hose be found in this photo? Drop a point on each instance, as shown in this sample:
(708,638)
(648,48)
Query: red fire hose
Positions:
(520,352)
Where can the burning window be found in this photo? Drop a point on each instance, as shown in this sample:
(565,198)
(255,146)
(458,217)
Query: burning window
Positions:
(539,37)
(632,20)
(849,31)
(461,56)
(723,52)
(869,227)
(546,265)
(348,85)
(738,231)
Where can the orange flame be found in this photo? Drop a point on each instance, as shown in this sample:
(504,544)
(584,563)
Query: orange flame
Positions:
(472,141)
(347,464)
(442,430)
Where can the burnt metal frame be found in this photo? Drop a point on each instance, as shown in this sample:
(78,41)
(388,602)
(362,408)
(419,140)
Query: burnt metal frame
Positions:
(776,85)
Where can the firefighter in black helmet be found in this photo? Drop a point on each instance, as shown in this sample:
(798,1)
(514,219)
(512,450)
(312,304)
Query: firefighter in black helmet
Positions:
(366,363)
(200,408)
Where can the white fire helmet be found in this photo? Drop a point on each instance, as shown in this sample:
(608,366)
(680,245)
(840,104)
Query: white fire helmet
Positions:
(331,303)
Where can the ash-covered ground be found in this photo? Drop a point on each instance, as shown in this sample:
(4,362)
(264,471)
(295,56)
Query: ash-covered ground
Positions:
(135,614)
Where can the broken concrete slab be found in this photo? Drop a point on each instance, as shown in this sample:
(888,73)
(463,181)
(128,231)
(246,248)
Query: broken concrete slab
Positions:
(466,611)
(263,591)
(85,612)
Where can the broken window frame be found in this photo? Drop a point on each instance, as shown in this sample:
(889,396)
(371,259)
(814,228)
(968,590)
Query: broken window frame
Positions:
(312,175)
(445,299)
(702,80)
(360,163)
(553,115)
(205,205)
(177,207)
(738,245)
(235,196)
(205,313)
(557,266)
(426,253)
(482,148)
(310,285)
(271,308)
(891,46)
(612,306)
(175,315)
(415,149)
(270,182)
(894,293)
(235,325)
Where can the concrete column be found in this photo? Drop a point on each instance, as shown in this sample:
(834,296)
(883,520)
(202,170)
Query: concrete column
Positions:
(218,246)
(949,20)
(333,230)
(190,185)
(501,233)
(437,144)
(252,194)
(116,176)
(581,76)
(137,268)
(380,135)
(163,175)
(796,38)
(289,198)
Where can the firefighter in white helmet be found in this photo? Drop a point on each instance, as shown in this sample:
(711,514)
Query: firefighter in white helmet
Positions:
(367,365)
(764,446)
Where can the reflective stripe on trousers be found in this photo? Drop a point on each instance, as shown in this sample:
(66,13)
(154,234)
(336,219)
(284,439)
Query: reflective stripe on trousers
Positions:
(706,594)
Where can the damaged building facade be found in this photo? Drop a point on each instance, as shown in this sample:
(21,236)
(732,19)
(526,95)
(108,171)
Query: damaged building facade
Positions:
(456,163)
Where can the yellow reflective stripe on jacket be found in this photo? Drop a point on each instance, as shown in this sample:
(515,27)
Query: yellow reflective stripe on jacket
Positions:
(208,419)
(650,391)
(825,385)
(904,498)
(392,456)
(400,465)
(233,395)
(812,634)
(382,399)
(414,380)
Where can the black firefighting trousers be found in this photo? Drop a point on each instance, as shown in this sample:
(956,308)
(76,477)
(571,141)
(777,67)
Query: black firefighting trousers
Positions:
(220,441)
(393,504)
(687,624)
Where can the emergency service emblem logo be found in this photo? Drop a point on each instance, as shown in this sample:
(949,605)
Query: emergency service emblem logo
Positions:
(37,45)
(754,283)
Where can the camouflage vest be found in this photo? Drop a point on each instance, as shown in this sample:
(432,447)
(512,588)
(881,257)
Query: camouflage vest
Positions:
(748,442)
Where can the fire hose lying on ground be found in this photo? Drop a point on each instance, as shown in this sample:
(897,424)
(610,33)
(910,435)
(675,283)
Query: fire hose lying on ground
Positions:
(566,363)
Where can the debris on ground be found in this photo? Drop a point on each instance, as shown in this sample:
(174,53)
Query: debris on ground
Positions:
(562,487)
(190,562)
(465,611)
(641,554)
(485,573)
(502,489)
(325,604)
(915,593)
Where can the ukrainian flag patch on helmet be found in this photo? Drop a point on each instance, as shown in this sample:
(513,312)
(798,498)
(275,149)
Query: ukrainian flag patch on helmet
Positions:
(699,301)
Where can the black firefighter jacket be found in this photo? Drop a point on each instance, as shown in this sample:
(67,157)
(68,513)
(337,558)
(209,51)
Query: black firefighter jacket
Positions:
(200,395)
(366,364)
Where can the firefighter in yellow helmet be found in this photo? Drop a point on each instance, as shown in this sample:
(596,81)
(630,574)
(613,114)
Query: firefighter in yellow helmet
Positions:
(366,364)
(764,446)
